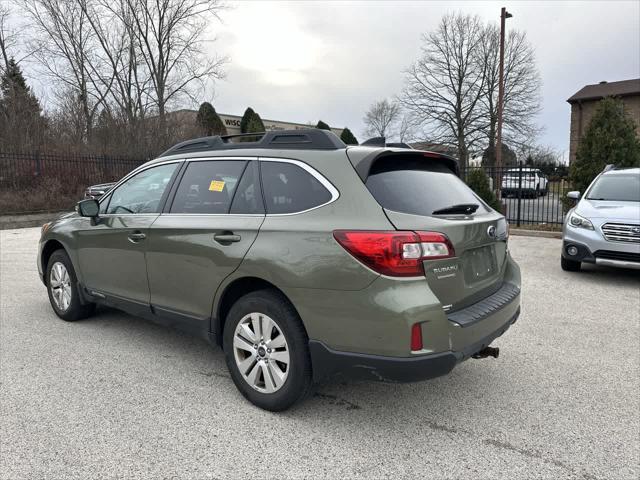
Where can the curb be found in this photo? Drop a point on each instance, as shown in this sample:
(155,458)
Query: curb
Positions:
(534,233)
(8,222)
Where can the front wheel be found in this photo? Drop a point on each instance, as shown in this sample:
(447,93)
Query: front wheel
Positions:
(569,265)
(62,287)
(266,350)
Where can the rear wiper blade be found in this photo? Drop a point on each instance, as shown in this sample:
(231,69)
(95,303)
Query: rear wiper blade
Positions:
(467,208)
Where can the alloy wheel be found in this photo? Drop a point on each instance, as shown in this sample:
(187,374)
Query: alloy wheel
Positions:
(60,285)
(261,352)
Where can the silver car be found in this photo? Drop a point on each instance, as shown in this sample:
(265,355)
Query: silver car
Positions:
(604,226)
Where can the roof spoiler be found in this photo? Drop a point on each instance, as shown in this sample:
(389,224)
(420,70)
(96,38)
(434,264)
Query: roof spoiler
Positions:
(363,166)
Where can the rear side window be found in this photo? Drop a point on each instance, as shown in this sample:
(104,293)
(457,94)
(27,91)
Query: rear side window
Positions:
(413,186)
(289,188)
(208,187)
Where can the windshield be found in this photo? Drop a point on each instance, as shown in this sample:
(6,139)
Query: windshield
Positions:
(617,187)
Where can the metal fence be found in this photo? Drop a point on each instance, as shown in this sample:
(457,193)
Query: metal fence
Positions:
(22,170)
(529,195)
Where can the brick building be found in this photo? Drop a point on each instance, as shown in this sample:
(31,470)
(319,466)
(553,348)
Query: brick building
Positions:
(583,104)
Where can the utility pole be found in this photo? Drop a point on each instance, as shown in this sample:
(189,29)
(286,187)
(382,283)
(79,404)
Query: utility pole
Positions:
(503,16)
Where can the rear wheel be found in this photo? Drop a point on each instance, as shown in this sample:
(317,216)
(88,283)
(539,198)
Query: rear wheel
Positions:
(266,349)
(569,265)
(62,287)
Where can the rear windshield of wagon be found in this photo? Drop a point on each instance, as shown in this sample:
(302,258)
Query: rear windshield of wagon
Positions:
(418,187)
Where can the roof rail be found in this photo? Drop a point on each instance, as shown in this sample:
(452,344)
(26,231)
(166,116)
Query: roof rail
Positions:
(303,139)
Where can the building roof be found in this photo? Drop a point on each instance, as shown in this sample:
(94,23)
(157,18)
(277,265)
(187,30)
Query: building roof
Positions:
(600,90)
(436,148)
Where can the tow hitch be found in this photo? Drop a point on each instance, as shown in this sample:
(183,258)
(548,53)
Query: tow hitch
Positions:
(487,352)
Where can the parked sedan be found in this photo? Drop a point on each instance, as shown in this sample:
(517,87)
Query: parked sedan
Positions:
(604,227)
(97,191)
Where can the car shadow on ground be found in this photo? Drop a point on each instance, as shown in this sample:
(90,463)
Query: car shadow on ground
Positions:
(203,359)
(599,274)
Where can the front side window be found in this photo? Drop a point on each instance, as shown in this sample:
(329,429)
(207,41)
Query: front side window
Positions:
(143,192)
(208,187)
(289,188)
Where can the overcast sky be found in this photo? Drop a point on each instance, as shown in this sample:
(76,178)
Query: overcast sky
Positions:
(304,61)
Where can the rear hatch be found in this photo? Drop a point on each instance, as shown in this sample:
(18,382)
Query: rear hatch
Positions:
(421,194)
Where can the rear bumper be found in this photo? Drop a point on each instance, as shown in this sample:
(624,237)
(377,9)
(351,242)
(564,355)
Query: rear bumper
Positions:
(327,362)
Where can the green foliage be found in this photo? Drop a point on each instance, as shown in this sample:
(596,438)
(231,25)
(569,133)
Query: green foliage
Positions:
(489,156)
(21,122)
(609,138)
(209,121)
(347,137)
(255,124)
(479,182)
(323,126)
(246,118)
(13,81)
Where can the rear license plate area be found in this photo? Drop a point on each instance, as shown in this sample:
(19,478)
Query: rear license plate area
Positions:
(479,264)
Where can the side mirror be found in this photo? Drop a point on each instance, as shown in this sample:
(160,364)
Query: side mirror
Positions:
(88,208)
(574,195)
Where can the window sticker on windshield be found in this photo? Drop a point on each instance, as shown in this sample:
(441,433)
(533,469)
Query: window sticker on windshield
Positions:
(216,186)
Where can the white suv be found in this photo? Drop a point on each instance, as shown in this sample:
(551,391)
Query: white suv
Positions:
(534,183)
(604,227)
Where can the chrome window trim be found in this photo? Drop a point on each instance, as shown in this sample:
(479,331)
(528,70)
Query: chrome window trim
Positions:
(213,214)
(335,194)
(333,191)
(110,215)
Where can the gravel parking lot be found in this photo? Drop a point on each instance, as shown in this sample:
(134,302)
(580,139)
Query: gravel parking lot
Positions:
(116,396)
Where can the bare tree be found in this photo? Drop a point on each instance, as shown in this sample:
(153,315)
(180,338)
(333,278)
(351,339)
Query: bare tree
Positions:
(11,38)
(381,118)
(170,37)
(64,45)
(407,129)
(522,87)
(444,87)
(119,68)
(7,37)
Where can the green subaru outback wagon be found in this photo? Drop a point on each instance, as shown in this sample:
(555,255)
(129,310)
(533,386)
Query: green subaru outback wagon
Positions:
(301,257)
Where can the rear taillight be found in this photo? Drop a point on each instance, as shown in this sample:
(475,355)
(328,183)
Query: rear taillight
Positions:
(397,254)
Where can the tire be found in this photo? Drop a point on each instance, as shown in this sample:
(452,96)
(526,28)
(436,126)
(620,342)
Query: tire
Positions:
(65,299)
(569,265)
(262,306)
(538,193)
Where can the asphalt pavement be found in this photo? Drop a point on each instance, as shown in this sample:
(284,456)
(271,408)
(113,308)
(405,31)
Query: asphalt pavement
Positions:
(115,396)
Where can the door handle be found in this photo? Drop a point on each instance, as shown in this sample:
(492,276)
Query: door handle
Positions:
(225,238)
(136,237)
